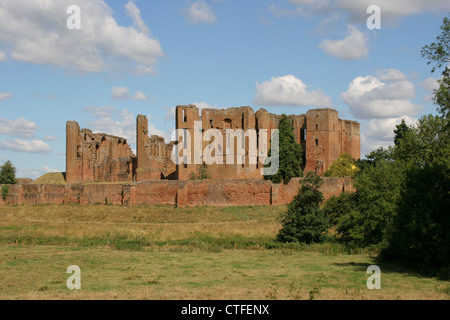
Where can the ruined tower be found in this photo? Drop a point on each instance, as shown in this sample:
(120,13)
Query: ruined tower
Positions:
(97,157)
(153,155)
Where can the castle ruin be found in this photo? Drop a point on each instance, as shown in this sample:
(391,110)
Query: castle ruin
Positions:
(104,158)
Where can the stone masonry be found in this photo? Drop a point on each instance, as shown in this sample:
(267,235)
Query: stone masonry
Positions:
(104,158)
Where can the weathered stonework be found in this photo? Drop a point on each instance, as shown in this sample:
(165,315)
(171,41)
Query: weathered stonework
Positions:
(211,192)
(104,158)
(322,135)
(153,154)
(96,157)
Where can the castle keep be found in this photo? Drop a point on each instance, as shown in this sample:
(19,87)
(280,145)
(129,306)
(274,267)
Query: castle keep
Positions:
(104,158)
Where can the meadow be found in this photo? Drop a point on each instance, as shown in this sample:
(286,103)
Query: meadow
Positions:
(164,252)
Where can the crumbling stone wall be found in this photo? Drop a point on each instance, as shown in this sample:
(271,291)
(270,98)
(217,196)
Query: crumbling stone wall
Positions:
(97,157)
(153,154)
(104,158)
(322,135)
(215,192)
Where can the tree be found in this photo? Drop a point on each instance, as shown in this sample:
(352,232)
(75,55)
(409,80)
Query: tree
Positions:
(424,142)
(400,131)
(8,173)
(438,54)
(338,206)
(344,166)
(377,193)
(304,221)
(374,157)
(290,153)
(421,229)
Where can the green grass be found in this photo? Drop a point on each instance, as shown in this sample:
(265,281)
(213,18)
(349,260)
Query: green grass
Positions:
(162,252)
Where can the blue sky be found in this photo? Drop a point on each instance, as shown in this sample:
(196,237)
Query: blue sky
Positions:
(146,57)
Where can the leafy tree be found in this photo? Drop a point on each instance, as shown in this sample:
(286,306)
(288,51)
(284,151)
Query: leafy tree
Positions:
(438,54)
(374,157)
(8,173)
(421,229)
(304,221)
(338,206)
(370,217)
(290,154)
(400,132)
(5,192)
(424,142)
(344,166)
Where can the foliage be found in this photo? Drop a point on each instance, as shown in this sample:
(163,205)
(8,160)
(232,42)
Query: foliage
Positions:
(8,173)
(290,154)
(202,174)
(400,131)
(373,207)
(344,166)
(5,192)
(424,142)
(337,206)
(421,233)
(438,54)
(304,221)
(374,157)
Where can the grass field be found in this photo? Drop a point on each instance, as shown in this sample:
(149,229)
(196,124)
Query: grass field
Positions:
(162,252)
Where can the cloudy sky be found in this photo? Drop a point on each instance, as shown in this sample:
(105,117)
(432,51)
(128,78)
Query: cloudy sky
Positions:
(146,57)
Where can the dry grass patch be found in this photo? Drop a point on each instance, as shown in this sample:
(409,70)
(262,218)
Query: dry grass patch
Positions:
(162,252)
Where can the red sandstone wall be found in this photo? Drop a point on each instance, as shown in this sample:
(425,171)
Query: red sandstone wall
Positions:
(225,192)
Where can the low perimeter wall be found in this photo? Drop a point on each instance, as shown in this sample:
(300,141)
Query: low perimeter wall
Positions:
(229,192)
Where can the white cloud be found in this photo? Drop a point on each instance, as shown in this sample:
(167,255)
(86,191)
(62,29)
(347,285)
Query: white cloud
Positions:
(369,98)
(353,47)
(47,169)
(383,129)
(35,146)
(430,84)
(301,8)
(200,12)
(111,121)
(391,11)
(278,12)
(170,114)
(5,95)
(135,14)
(124,93)
(204,105)
(153,131)
(120,93)
(35,173)
(2,56)
(29,173)
(100,112)
(36,32)
(392,75)
(50,138)
(21,128)
(139,96)
(289,91)
(120,123)
(380,132)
